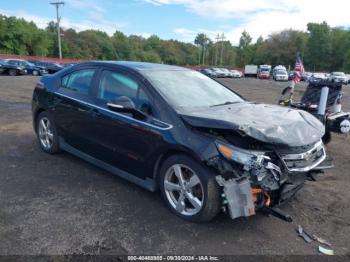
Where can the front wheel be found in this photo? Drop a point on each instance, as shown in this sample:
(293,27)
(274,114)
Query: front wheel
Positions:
(35,73)
(189,189)
(47,133)
(12,72)
(326,139)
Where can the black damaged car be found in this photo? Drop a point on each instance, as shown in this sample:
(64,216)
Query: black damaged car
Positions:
(173,129)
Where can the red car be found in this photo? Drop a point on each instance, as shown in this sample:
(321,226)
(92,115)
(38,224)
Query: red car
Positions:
(264,74)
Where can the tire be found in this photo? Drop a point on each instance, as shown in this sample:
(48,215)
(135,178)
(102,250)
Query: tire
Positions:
(13,72)
(35,73)
(51,137)
(205,190)
(327,138)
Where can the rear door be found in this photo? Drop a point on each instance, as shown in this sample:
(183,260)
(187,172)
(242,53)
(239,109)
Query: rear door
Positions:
(73,107)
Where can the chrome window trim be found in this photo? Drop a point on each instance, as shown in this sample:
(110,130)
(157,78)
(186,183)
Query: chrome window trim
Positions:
(169,126)
(318,146)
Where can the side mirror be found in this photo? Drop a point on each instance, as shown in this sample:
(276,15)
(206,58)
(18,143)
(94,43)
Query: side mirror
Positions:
(124,104)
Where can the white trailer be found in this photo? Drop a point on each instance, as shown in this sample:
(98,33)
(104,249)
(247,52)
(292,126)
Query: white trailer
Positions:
(251,70)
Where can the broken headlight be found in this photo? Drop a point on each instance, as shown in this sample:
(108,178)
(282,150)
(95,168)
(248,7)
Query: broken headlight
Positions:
(241,156)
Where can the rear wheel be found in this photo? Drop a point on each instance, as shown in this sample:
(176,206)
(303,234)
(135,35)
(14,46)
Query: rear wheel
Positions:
(35,73)
(12,72)
(47,133)
(189,190)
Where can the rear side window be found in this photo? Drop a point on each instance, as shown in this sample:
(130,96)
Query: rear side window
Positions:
(79,81)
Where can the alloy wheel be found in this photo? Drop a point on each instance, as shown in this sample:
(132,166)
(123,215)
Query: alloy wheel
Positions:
(12,72)
(45,133)
(184,190)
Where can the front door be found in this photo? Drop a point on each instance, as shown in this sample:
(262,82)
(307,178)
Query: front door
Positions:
(123,141)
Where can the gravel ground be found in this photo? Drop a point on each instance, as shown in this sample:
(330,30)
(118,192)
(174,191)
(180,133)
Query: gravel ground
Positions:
(63,205)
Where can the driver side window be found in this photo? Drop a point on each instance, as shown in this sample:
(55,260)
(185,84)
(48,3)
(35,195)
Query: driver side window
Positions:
(115,84)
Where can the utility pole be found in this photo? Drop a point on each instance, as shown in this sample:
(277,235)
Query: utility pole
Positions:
(222,38)
(217,38)
(57,5)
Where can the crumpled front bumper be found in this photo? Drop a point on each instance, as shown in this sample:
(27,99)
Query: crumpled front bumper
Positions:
(265,185)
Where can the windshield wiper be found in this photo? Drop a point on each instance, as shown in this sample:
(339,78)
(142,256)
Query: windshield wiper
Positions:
(226,103)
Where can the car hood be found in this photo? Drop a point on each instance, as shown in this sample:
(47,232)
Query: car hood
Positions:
(271,124)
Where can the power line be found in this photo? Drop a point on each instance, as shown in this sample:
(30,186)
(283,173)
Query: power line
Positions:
(57,5)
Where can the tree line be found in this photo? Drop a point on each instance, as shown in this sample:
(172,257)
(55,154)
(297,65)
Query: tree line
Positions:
(322,48)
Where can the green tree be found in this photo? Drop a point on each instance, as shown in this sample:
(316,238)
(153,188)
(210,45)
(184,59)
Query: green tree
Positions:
(245,49)
(202,40)
(319,47)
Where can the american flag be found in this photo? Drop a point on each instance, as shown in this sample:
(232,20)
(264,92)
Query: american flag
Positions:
(299,70)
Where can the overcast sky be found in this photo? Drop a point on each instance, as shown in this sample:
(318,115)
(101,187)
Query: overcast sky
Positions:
(183,19)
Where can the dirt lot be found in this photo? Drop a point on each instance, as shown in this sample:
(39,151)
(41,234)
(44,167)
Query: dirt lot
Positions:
(63,205)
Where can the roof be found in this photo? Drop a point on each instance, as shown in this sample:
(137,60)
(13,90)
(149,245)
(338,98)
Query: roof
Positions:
(141,66)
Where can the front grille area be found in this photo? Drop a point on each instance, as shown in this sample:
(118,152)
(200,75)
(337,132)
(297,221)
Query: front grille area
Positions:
(305,161)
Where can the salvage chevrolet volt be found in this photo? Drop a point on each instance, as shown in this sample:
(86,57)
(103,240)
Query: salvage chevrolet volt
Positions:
(176,130)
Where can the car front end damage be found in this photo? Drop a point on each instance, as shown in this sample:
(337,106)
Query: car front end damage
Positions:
(263,153)
(262,180)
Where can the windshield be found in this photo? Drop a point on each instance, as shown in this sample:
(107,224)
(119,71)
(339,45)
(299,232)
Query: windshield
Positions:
(188,90)
(281,72)
(338,74)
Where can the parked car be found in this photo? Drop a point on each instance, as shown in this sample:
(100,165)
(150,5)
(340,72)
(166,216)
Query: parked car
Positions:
(11,70)
(291,75)
(31,68)
(280,75)
(171,128)
(208,72)
(218,72)
(317,77)
(50,66)
(236,74)
(306,76)
(278,68)
(68,64)
(227,72)
(264,72)
(338,77)
(348,78)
